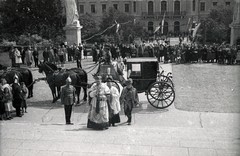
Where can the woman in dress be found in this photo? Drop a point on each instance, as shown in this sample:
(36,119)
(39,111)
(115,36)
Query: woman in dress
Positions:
(7,96)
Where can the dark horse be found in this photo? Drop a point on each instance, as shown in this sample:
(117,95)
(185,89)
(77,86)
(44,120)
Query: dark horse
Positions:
(25,75)
(56,79)
(81,73)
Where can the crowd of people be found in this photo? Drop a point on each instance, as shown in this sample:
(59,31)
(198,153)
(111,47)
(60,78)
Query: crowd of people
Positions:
(182,53)
(12,97)
(58,54)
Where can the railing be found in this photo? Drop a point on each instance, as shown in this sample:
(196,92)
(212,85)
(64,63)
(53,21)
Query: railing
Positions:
(168,14)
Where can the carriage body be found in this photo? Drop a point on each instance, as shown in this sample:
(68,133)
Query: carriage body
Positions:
(143,72)
(146,78)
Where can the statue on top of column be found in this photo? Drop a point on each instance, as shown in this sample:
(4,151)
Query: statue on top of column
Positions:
(236,12)
(71,13)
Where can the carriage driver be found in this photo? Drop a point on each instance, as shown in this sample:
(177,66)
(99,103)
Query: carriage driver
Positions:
(68,99)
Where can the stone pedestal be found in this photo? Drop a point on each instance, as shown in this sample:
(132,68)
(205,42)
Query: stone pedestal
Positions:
(235,25)
(73,34)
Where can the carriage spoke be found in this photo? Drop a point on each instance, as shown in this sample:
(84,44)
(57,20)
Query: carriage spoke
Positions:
(161,94)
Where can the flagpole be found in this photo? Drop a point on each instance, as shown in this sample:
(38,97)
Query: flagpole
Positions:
(163,22)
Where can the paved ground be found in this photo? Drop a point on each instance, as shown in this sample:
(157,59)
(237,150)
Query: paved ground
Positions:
(168,132)
(207,87)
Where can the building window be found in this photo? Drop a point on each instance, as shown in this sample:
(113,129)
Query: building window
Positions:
(150,27)
(134,7)
(93,8)
(176,26)
(176,8)
(81,9)
(126,7)
(163,6)
(150,8)
(228,3)
(193,5)
(214,3)
(115,6)
(104,7)
(202,6)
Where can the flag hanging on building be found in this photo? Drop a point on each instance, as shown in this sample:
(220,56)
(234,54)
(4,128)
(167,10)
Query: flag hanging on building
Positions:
(189,20)
(134,21)
(163,22)
(196,29)
(118,26)
(156,29)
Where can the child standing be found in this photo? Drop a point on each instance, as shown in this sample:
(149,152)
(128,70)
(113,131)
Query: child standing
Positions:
(7,96)
(24,94)
(128,99)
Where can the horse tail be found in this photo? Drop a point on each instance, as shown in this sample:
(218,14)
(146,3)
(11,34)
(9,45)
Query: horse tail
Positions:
(85,77)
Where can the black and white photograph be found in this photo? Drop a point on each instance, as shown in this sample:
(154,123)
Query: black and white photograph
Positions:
(119,77)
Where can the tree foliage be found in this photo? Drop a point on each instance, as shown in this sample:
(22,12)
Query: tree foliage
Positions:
(128,25)
(217,24)
(28,17)
(89,26)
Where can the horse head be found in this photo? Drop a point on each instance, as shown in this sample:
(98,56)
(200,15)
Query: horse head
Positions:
(46,67)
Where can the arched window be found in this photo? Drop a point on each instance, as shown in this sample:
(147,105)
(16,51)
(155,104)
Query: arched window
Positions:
(177,8)
(150,8)
(163,6)
(150,27)
(176,26)
(134,6)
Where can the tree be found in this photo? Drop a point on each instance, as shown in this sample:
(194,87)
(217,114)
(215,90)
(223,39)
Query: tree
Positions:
(127,25)
(217,23)
(27,17)
(89,26)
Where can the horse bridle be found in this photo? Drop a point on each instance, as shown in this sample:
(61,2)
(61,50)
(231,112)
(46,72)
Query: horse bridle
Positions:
(49,67)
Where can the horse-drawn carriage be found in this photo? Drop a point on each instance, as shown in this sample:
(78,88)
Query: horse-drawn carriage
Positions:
(146,77)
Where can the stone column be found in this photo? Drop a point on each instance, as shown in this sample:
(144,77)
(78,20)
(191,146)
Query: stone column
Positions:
(73,34)
(235,25)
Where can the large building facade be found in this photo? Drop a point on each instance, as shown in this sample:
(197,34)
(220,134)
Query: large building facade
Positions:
(176,12)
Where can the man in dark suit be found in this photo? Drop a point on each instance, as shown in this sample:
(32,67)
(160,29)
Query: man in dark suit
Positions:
(68,99)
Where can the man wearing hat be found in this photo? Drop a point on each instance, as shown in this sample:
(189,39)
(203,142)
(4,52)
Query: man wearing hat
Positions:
(108,54)
(17,99)
(68,99)
(128,98)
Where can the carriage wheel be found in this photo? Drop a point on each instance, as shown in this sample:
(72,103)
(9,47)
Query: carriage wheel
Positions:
(160,94)
(165,79)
